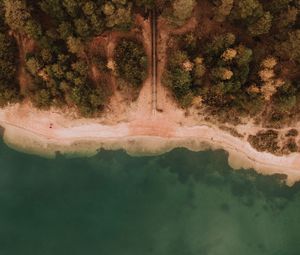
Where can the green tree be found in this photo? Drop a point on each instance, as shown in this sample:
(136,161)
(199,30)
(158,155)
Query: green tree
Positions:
(9,89)
(262,25)
(80,67)
(285,97)
(131,62)
(33,65)
(246,9)
(218,44)
(147,4)
(82,27)
(121,18)
(33,29)
(244,55)
(223,9)
(72,7)
(65,30)
(182,10)
(42,98)
(89,8)
(54,8)
(97,24)
(290,49)
(75,45)
(287,18)
(108,8)
(16,14)
(276,6)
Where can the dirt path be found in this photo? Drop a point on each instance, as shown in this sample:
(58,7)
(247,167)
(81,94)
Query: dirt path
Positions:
(154,61)
(25,46)
(165,102)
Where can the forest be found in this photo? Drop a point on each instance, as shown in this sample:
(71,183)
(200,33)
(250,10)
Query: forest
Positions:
(242,58)
(53,40)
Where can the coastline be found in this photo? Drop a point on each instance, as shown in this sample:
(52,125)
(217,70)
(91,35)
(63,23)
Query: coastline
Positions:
(152,136)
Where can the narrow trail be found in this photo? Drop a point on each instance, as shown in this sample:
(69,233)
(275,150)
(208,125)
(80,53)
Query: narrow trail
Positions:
(154,63)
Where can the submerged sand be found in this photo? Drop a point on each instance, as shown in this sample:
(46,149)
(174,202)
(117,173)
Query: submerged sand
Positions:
(47,133)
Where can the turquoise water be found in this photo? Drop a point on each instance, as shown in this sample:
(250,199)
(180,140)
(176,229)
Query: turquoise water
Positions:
(180,203)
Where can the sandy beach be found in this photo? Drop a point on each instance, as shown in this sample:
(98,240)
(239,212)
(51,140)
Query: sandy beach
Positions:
(47,132)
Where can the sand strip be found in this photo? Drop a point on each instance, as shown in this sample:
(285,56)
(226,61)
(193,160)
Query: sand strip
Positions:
(54,133)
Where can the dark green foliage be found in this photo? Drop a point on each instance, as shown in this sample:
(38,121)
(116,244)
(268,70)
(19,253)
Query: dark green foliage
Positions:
(285,98)
(290,49)
(146,4)
(262,25)
(178,79)
(265,141)
(219,76)
(219,62)
(179,11)
(276,6)
(9,91)
(218,44)
(19,18)
(88,18)
(88,99)
(131,61)
(188,43)
(59,67)
(251,15)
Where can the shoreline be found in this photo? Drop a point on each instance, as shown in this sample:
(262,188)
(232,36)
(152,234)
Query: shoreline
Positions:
(151,137)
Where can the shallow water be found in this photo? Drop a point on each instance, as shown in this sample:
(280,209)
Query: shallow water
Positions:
(180,203)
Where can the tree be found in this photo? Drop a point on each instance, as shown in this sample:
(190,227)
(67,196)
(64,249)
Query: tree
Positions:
(285,97)
(97,24)
(222,73)
(219,43)
(33,29)
(182,10)
(229,54)
(57,71)
(54,8)
(287,18)
(42,98)
(33,65)
(89,8)
(147,4)
(246,9)
(97,98)
(180,82)
(80,67)
(75,45)
(262,25)
(9,89)
(131,62)
(244,55)
(65,30)
(16,14)
(108,9)
(177,58)
(276,6)
(223,9)
(120,18)
(290,49)
(82,27)
(72,7)
(199,69)
(46,55)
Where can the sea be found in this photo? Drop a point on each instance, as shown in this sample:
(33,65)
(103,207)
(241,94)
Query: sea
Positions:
(178,203)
